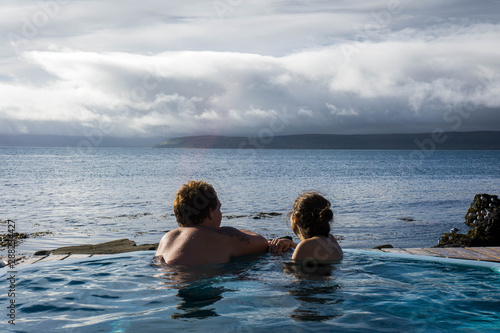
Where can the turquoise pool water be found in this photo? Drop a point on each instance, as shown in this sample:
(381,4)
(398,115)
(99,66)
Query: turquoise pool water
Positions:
(366,292)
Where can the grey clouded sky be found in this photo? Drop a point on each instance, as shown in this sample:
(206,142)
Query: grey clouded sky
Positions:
(237,67)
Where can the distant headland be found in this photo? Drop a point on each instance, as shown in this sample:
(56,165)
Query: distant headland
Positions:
(487,140)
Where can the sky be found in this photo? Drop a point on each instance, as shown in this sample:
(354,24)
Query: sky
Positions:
(239,67)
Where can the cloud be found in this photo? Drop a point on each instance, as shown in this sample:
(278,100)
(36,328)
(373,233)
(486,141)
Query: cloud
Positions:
(303,63)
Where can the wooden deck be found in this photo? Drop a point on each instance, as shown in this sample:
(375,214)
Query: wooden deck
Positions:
(491,254)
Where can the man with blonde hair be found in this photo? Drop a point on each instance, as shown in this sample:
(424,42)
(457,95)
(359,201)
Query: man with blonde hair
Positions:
(200,239)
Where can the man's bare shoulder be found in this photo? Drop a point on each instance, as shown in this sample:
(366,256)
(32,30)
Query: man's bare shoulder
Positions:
(233,233)
(166,239)
(171,234)
(205,233)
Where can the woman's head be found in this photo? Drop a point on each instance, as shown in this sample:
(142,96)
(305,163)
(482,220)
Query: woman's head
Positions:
(311,215)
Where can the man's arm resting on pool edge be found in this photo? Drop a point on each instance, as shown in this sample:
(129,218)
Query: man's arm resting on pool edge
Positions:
(243,242)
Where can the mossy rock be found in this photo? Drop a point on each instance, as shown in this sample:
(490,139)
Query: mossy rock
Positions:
(480,204)
(483,218)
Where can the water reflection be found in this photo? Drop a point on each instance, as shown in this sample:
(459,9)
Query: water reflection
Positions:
(200,287)
(310,270)
(197,289)
(196,300)
(316,290)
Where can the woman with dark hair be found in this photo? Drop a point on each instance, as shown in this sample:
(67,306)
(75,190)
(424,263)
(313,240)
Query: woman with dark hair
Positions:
(310,220)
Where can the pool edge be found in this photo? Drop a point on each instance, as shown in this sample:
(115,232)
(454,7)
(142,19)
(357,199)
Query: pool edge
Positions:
(494,266)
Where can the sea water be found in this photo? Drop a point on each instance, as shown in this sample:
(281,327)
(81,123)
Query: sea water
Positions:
(92,195)
(363,293)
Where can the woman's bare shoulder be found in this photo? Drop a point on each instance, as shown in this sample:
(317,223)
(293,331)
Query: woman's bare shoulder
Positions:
(317,248)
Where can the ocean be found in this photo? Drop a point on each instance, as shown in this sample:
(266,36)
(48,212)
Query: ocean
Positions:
(67,196)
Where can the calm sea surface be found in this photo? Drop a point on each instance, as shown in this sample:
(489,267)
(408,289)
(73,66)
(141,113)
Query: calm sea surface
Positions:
(404,198)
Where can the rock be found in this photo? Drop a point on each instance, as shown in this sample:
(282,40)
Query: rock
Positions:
(262,215)
(484,223)
(385,246)
(234,216)
(117,246)
(15,238)
(12,239)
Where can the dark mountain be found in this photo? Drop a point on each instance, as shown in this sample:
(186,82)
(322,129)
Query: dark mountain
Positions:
(422,141)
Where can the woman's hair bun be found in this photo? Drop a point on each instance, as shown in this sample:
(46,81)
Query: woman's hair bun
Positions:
(326,215)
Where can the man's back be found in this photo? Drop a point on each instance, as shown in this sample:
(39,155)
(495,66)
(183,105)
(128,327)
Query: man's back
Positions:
(197,245)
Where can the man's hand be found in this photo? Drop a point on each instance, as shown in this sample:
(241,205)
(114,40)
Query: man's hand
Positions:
(278,245)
